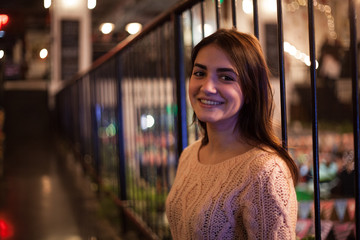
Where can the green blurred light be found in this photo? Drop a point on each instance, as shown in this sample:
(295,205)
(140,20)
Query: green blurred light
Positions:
(111,130)
(171,109)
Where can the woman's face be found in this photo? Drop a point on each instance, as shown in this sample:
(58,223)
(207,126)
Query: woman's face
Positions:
(214,88)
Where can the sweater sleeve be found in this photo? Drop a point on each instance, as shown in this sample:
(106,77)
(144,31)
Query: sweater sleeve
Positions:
(272,209)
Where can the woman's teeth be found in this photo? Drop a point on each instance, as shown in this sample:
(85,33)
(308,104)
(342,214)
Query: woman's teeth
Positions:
(209,102)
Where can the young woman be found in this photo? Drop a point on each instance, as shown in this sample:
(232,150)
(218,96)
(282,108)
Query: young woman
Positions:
(237,182)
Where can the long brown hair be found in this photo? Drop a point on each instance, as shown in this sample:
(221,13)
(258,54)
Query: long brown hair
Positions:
(255,116)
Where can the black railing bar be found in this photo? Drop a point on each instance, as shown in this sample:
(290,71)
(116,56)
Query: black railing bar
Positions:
(180,79)
(78,132)
(217,13)
(120,141)
(101,90)
(79,122)
(233,12)
(170,62)
(114,75)
(192,43)
(191,27)
(121,152)
(95,136)
(154,43)
(70,119)
(76,118)
(87,112)
(159,92)
(164,129)
(355,102)
(140,79)
(311,23)
(73,93)
(84,114)
(167,50)
(282,75)
(256,18)
(202,18)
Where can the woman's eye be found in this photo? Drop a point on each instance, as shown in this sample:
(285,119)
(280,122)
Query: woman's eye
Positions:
(227,78)
(198,74)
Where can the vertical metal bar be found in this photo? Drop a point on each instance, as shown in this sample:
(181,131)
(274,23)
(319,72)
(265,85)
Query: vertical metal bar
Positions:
(191,27)
(81,115)
(168,94)
(355,102)
(164,126)
(233,11)
(314,120)
(120,140)
(217,11)
(256,18)
(180,84)
(192,46)
(139,75)
(120,131)
(153,77)
(282,75)
(202,19)
(95,137)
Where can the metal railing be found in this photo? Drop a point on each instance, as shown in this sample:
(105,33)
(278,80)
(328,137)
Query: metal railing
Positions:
(128,115)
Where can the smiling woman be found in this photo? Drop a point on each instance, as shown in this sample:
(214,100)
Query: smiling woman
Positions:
(237,182)
(214,88)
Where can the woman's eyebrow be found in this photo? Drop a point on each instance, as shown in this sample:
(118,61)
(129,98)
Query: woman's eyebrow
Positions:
(220,70)
(226,70)
(200,66)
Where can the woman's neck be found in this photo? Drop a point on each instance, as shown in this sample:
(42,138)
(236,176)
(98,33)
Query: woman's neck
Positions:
(223,144)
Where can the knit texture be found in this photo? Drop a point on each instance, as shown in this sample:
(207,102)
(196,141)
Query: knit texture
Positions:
(250,196)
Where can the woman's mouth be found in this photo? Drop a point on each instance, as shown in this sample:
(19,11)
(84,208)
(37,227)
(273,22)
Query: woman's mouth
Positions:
(209,102)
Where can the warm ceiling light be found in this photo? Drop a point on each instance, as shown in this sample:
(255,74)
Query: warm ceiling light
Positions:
(47,3)
(91,4)
(133,28)
(107,28)
(2,53)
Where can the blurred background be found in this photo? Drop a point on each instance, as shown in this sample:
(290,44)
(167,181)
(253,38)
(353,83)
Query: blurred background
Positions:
(92,110)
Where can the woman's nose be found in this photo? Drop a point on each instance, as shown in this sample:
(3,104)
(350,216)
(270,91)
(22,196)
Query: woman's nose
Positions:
(209,85)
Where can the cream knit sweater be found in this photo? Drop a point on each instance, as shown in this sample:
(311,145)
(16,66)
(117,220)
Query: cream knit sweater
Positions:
(250,196)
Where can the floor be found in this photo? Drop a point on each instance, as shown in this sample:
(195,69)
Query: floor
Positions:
(43,194)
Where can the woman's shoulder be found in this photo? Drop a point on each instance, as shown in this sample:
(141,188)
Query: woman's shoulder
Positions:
(191,150)
(266,160)
(192,147)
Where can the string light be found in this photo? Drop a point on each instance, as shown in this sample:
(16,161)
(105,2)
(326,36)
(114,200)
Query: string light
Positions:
(323,8)
(296,53)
